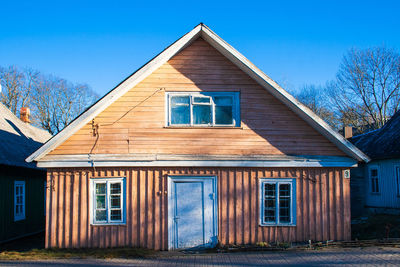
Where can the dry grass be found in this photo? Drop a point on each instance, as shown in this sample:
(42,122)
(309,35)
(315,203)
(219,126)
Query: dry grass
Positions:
(35,254)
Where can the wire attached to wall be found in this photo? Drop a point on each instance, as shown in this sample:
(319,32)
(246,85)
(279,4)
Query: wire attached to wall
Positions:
(96,127)
(126,113)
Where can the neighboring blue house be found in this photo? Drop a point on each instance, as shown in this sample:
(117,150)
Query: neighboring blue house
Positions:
(376,186)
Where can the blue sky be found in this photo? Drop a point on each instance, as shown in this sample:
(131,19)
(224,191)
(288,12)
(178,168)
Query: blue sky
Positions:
(102,42)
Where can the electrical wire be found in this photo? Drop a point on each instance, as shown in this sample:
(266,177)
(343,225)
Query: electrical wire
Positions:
(95,127)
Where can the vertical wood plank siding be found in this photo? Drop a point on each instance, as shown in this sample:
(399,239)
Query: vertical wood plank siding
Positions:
(323,206)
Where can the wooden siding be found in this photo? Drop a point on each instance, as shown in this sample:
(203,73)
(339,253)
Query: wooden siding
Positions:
(323,206)
(387,197)
(268,126)
(34,221)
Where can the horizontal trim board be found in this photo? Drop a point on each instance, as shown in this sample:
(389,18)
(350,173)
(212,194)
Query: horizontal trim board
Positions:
(196,163)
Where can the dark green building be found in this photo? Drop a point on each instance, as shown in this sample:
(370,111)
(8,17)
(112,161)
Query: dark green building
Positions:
(22,185)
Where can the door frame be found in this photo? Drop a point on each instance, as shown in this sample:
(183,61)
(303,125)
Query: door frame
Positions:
(188,178)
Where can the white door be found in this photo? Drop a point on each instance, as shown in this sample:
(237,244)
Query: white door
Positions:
(192,212)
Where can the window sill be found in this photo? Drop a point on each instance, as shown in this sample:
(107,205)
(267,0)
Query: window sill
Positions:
(276,224)
(202,127)
(19,219)
(108,224)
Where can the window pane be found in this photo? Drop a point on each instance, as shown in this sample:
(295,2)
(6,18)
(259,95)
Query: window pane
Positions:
(284,190)
(223,100)
(205,100)
(180,115)
(100,202)
(223,115)
(201,114)
(101,215)
(284,203)
(180,112)
(269,203)
(270,215)
(398,180)
(270,190)
(115,201)
(100,188)
(179,100)
(284,215)
(116,215)
(115,188)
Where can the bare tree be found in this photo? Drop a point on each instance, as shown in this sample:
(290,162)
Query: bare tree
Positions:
(54,102)
(366,92)
(58,102)
(314,97)
(17,85)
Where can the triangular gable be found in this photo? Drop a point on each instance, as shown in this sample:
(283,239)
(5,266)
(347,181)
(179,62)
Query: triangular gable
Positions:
(234,56)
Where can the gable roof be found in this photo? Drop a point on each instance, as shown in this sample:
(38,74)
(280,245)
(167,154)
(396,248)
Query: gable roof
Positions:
(235,57)
(18,139)
(382,143)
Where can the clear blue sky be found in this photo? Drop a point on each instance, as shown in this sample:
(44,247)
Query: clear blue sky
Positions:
(102,42)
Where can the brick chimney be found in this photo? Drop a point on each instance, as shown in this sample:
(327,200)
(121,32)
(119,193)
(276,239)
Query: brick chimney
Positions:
(24,114)
(348,132)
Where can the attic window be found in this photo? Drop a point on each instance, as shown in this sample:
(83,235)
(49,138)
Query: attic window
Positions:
(203,109)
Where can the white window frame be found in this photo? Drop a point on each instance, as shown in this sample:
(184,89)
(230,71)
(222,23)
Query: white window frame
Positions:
(20,216)
(293,209)
(191,95)
(370,168)
(107,181)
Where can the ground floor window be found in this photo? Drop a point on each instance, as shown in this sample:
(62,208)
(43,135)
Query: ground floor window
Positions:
(374,179)
(108,200)
(277,201)
(397,170)
(19,200)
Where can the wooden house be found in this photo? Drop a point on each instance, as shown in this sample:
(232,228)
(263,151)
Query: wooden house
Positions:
(196,147)
(375,186)
(22,184)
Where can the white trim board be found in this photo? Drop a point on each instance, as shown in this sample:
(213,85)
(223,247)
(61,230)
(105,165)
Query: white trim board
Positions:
(233,55)
(154,161)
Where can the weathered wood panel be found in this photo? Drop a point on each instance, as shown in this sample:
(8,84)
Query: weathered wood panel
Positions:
(323,201)
(135,122)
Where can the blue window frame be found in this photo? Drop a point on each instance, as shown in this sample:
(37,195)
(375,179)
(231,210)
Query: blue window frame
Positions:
(204,109)
(277,202)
